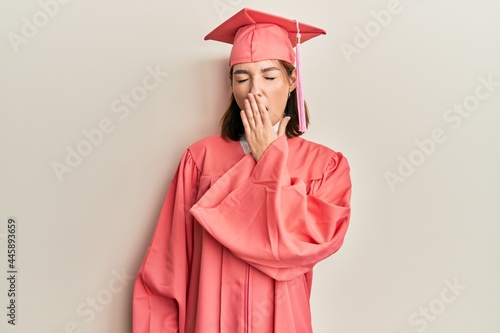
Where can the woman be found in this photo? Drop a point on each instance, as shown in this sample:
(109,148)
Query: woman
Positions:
(250,211)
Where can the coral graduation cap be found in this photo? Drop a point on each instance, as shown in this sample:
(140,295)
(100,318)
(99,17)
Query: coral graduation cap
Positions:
(260,36)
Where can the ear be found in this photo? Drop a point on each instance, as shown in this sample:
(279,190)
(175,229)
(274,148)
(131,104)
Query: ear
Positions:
(293,80)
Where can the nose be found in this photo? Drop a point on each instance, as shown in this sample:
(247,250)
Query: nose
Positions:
(255,88)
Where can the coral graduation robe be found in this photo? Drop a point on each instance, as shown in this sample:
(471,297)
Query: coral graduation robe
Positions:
(236,240)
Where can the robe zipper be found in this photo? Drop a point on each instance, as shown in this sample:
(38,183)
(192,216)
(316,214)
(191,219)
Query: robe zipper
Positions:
(247,291)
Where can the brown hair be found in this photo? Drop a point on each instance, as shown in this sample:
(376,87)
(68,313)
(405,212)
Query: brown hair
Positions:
(232,126)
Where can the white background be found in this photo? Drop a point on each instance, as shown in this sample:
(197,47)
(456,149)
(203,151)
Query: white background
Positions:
(437,225)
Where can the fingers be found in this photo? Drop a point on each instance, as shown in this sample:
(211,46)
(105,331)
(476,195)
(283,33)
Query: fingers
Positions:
(253,109)
(259,130)
(282,127)
(256,111)
(264,114)
(249,113)
(249,117)
(245,121)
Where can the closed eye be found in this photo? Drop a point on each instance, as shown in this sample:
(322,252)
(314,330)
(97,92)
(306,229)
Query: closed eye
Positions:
(270,78)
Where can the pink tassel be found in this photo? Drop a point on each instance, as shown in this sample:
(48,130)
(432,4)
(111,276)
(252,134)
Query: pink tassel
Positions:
(300,96)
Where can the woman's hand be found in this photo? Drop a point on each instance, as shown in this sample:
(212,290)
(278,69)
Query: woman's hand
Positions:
(259,130)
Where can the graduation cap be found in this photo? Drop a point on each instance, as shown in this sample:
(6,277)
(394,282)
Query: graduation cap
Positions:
(257,36)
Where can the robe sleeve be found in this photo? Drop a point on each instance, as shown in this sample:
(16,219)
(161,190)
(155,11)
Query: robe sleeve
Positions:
(159,299)
(279,224)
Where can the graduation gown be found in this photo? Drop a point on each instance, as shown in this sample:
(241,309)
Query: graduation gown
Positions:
(236,240)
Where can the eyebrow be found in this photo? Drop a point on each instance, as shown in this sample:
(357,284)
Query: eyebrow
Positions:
(263,70)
